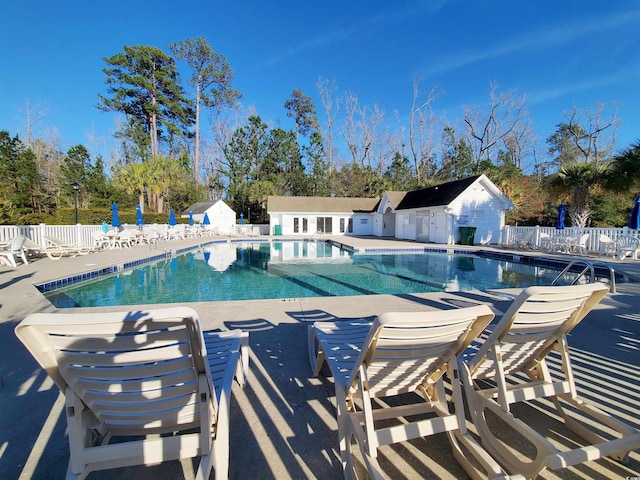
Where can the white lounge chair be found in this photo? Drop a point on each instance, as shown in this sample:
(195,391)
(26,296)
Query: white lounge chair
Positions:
(148,374)
(545,241)
(510,366)
(526,239)
(14,250)
(396,354)
(55,248)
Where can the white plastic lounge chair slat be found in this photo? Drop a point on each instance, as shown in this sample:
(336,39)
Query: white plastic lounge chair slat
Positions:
(145,395)
(114,341)
(122,375)
(137,384)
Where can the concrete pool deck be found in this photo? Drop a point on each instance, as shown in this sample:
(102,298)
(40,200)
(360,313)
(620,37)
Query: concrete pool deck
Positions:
(283,422)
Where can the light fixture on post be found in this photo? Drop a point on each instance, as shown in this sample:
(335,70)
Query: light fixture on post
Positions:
(75,187)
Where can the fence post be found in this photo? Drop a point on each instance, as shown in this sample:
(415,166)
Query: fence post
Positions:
(41,235)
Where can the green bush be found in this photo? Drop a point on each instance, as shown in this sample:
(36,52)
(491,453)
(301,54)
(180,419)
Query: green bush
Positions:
(95,216)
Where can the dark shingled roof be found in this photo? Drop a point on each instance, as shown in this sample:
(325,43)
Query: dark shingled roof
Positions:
(435,196)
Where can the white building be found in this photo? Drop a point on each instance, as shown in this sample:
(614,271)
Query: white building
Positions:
(433,214)
(221,217)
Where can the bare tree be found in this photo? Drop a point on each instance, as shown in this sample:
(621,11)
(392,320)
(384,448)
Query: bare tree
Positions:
(592,134)
(331,107)
(486,131)
(223,124)
(421,128)
(34,114)
(360,129)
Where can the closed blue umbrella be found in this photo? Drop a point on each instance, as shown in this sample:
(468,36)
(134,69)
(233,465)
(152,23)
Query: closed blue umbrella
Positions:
(562,213)
(191,218)
(115,219)
(205,220)
(634,219)
(172,219)
(139,220)
(242,219)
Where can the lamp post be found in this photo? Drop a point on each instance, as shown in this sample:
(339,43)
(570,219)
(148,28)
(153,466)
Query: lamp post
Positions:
(75,187)
(144,198)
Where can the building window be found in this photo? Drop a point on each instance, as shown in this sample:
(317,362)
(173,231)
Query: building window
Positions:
(342,225)
(477,214)
(350,227)
(305,225)
(324,225)
(296,225)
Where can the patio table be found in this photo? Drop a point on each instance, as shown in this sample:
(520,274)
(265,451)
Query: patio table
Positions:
(562,243)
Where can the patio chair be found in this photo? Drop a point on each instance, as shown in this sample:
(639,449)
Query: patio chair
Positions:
(581,245)
(607,245)
(100,239)
(404,356)
(148,378)
(14,250)
(55,249)
(124,239)
(510,366)
(627,246)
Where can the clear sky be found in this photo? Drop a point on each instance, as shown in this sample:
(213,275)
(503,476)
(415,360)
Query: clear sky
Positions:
(560,53)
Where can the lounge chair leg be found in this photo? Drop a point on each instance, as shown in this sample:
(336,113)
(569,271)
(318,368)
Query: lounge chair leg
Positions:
(344,435)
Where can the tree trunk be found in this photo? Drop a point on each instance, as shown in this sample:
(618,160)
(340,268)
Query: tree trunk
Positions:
(196,156)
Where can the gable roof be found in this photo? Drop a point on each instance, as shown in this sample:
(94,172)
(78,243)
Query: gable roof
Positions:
(395,197)
(198,208)
(321,204)
(435,196)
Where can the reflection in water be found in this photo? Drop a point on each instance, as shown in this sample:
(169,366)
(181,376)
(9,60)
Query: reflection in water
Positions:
(260,270)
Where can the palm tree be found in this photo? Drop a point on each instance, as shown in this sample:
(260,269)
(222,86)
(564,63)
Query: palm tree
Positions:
(132,179)
(624,173)
(580,180)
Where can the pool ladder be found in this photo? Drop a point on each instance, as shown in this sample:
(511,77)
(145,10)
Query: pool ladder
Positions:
(590,268)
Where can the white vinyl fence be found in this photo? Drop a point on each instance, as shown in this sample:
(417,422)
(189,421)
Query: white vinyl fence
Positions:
(81,234)
(511,235)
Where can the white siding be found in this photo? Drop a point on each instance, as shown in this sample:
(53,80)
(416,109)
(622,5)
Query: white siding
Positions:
(477,207)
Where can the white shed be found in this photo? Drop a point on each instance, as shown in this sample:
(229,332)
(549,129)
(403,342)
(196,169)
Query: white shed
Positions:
(437,214)
(221,217)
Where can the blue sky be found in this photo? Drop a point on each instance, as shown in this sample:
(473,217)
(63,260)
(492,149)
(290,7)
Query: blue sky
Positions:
(559,54)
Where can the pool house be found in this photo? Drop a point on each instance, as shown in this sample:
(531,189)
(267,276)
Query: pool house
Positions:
(434,214)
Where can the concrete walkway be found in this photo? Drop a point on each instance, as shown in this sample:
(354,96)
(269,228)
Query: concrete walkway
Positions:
(283,422)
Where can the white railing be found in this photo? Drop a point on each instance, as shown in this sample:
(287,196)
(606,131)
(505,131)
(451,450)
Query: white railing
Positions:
(80,234)
(511,235)
(74,234)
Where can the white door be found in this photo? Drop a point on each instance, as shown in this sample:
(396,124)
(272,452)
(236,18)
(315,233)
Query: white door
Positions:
(438,228)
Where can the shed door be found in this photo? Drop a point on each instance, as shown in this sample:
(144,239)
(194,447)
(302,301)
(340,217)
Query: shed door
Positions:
(438,228)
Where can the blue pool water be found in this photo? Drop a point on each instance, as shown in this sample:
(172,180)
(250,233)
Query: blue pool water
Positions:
(239,271)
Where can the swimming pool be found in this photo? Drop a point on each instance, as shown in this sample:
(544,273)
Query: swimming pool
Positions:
(289,270)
